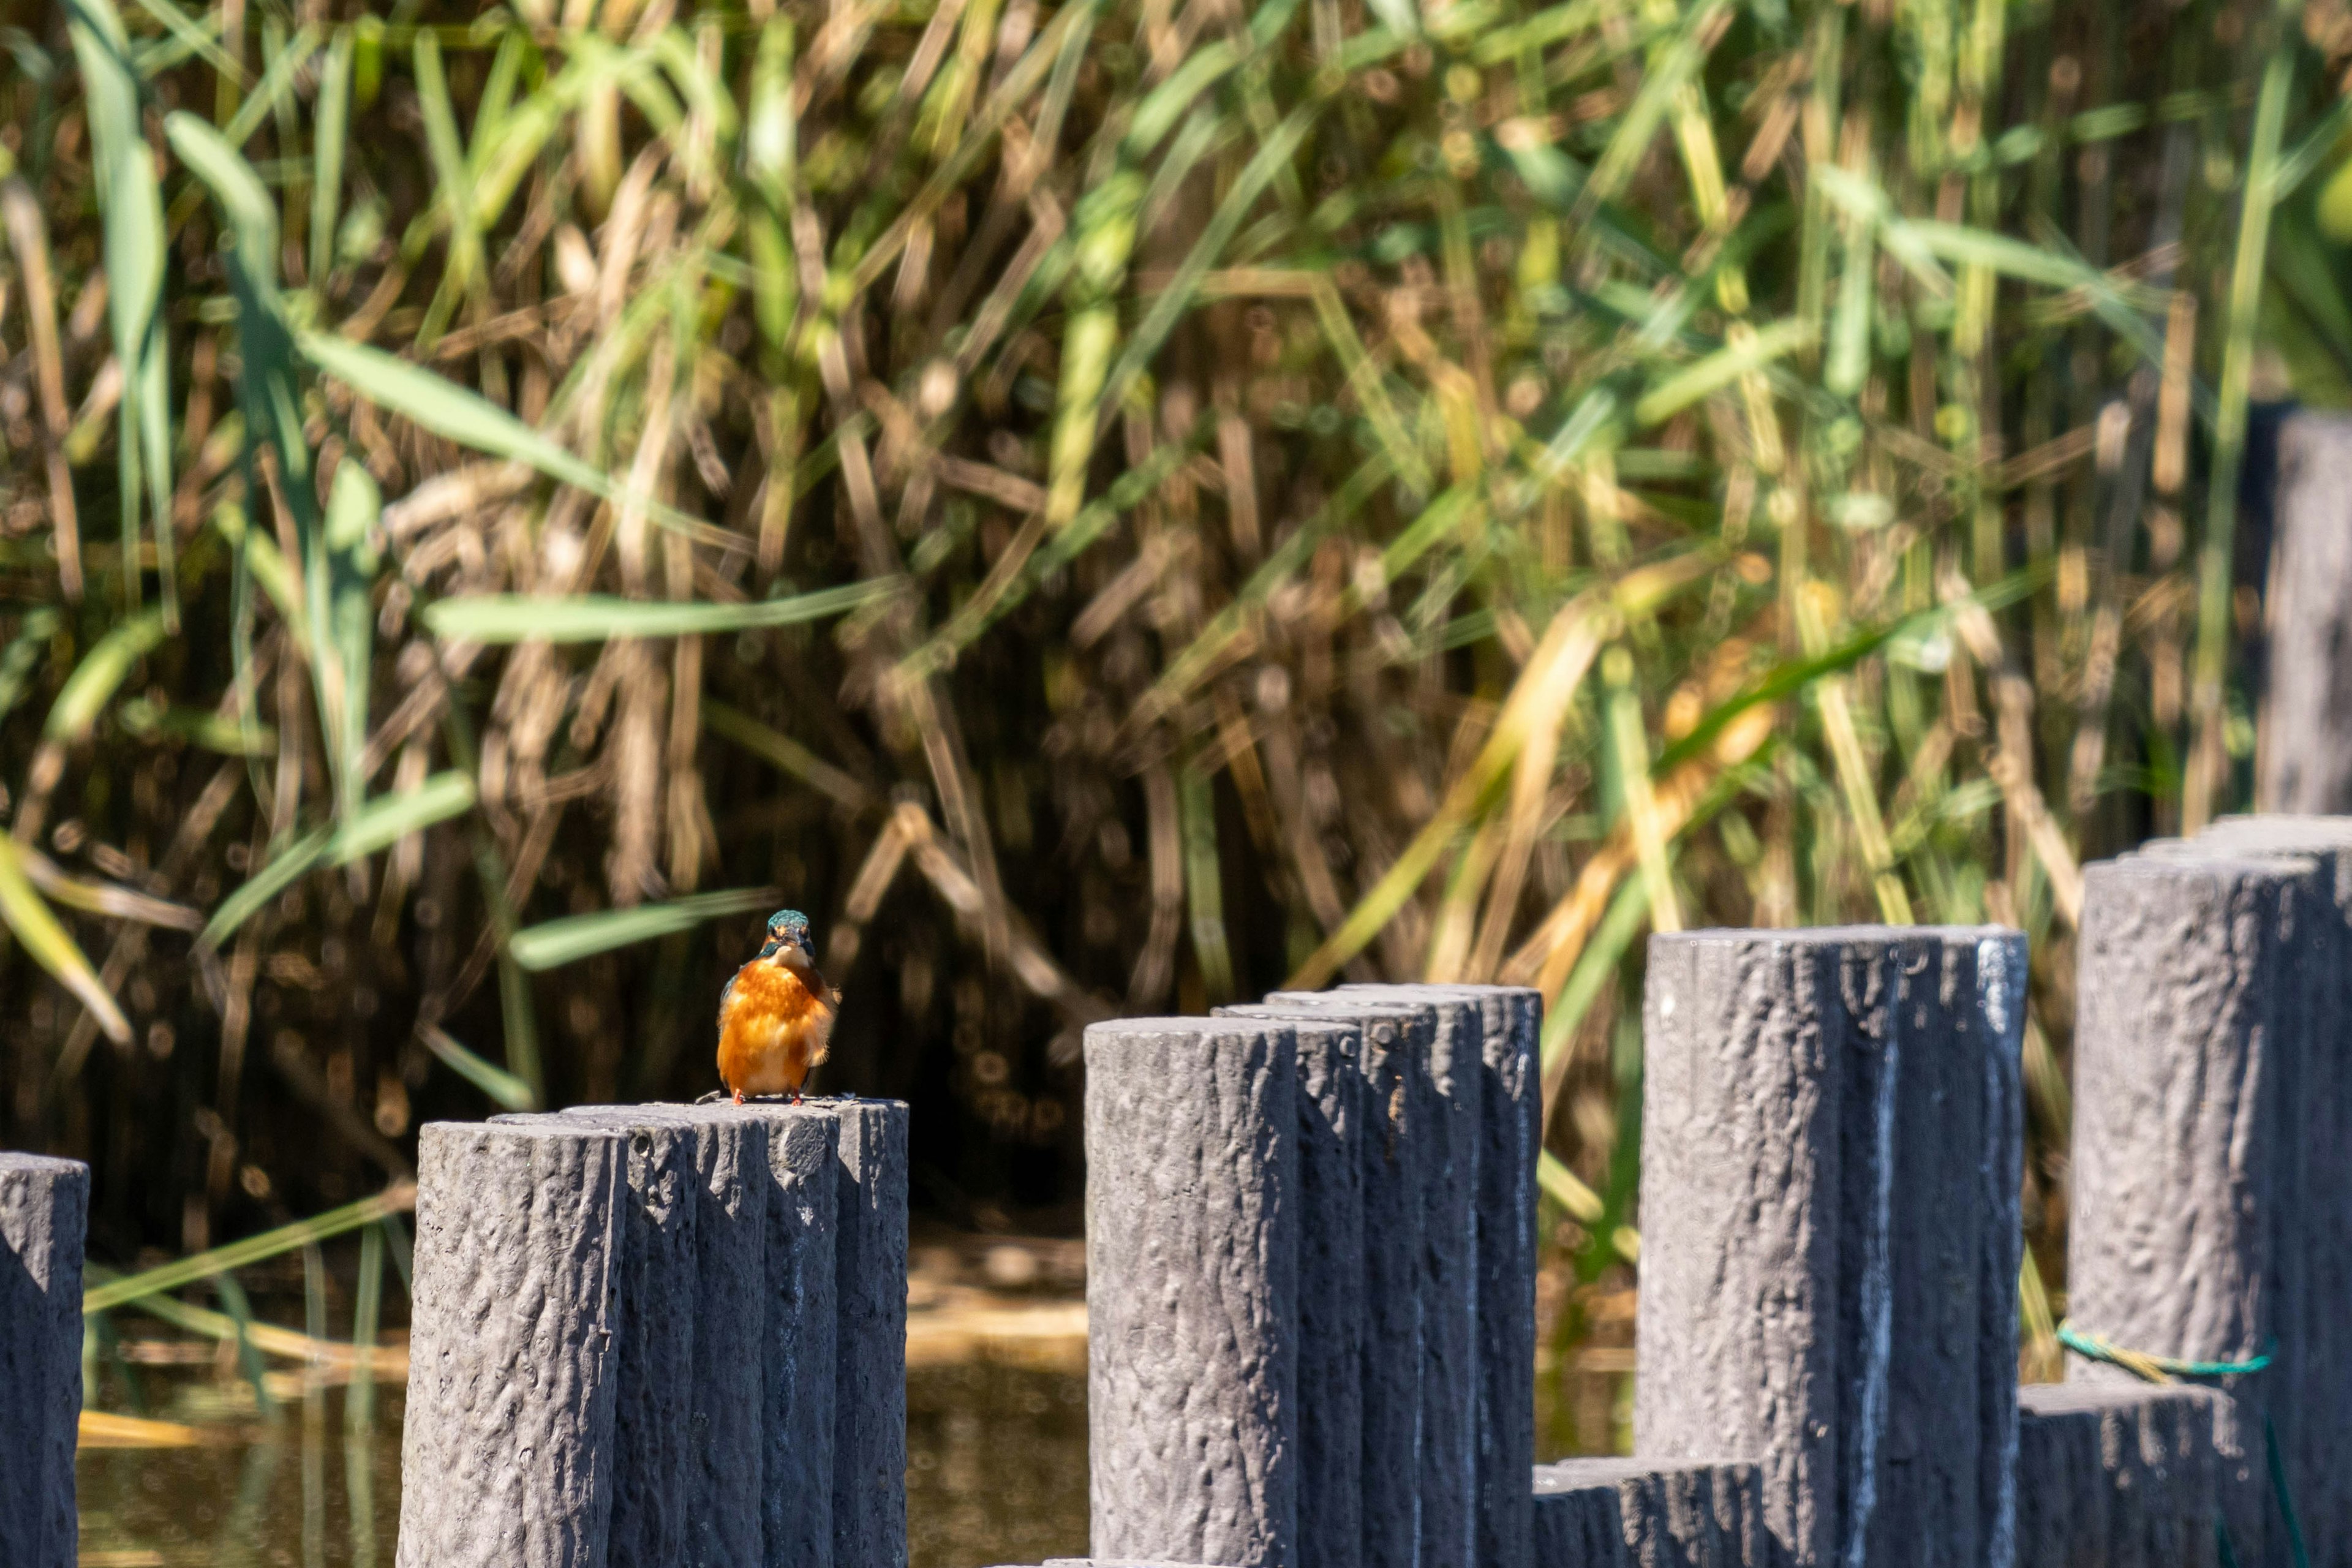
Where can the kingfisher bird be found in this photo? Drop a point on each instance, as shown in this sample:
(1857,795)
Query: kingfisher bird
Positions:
(775,1017)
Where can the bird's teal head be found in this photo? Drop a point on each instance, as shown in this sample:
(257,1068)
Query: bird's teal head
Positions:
(786,927)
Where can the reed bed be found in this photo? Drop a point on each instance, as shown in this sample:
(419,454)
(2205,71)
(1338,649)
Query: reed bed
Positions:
(1109,506)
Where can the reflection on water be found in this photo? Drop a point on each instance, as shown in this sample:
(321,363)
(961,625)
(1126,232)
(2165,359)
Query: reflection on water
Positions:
(996,1464)
(295,1492)
(996,1472)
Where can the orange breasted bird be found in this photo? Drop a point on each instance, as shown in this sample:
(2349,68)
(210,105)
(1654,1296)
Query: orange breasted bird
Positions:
(775,1017)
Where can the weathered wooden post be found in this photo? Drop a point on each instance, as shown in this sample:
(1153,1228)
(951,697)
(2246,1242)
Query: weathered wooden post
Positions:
(507,1454)
(1445,1152)
(1192,1236)
(2115,1477)
(2303,759)
(1334,1302)
(1637,1513)
(671,1305)
(44,1214)
(2194,1012)
(1828,1264)
(802,1316)
(870,1484)
(1397,1101)
(2322,1396)
(1510,1134)
(694,1251)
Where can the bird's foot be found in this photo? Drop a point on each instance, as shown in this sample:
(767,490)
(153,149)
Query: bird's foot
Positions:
(738,1097)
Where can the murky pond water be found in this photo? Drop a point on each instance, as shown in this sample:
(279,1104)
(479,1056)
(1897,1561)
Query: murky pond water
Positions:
(996,1472)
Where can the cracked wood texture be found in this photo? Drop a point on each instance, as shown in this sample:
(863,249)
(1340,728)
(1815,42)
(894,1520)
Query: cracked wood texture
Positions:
(869,1476)
(1334,1300)
(44,1216)
(1446,1141)
(1829,1121)
(654,1466)
(2322,1396)
(2303,759)
(801,1312)
(507,1450)
(1193,1243)
(1399,1113)
(1511,1112)
(2195,992)
(1636,1513)
(2115,1477)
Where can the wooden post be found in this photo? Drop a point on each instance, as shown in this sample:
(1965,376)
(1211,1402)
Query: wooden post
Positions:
(2195,1001)
(689,1440)
(1334,1296)
(1510,1134)
(754,1281)
(2122,1478)
(1397,1099)
(1827,1259)
(1192,1238)
(44,1213)
(1632,1513)
(869,1486)
(2304,755)
(507,1454)
(1443,1108)
(802,1317)
(2323,1396)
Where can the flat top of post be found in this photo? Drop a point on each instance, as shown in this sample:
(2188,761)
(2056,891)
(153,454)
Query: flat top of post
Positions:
(2319,832)
(2179,859)
(1576,1475)
(1344,1002)
(540,1129)
(2093,1398)
(1830,936)
(42,1165)
(1437,987)
(1302,1018)
(1223,1024)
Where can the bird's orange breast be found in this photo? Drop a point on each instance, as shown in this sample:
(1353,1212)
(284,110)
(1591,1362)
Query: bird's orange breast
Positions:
(772,1030)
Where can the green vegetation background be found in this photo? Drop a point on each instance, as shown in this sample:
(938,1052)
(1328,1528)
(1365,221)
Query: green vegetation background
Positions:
(1109,506)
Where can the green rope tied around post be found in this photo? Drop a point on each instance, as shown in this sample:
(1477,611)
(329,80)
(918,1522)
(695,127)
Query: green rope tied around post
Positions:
(2153,1368)
(2164,1369)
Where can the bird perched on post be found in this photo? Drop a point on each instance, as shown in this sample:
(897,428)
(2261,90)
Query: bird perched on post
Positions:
(775,1017)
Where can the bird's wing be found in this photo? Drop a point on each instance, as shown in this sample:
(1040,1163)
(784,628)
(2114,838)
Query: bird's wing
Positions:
(727,994)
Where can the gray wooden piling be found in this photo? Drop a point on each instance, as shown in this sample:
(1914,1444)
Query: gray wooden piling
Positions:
(44,1214)
(1192,1233)
(1446,1154)
(656,1474)
(803,1315)
(2303,759)
(2115,1477)
(2323,1396)
(870,1484)
(1399,1115)
(1510,1136)
(1825,1115)
(1333,1298)
(1635,1513)
(2195,998)
(695,1243)
(507,1450)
